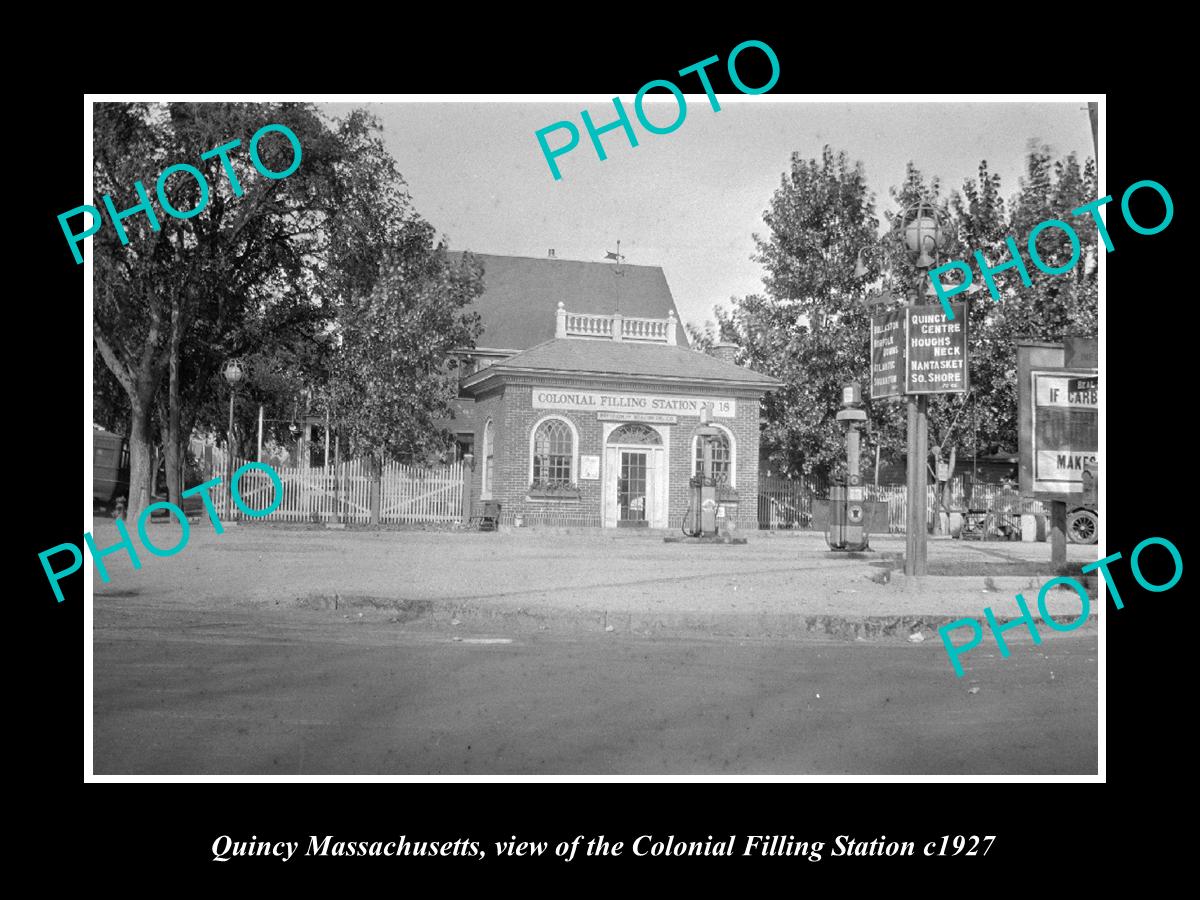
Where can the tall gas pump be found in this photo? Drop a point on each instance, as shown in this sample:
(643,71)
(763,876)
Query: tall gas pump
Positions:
(847,507)
(701,518)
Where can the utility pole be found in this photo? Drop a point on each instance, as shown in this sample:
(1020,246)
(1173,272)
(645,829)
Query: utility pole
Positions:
(915,537)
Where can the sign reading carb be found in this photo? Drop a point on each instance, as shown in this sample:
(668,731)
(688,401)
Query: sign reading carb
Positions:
(1058,400)
(1065,432)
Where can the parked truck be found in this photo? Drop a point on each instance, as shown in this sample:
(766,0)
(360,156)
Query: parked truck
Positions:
(110,470)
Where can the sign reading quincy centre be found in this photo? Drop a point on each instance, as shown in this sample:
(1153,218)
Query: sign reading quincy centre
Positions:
(937,350)
(598,401)
(1065,432)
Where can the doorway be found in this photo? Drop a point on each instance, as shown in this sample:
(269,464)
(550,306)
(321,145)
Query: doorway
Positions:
(631,490)
(635,477)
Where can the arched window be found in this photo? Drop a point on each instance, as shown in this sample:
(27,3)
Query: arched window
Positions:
(723,457)
(488,452)
(554,452)
(635,434)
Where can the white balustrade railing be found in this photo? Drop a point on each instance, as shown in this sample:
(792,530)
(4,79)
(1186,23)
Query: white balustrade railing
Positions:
(645,330)
(581,325)
(616,327)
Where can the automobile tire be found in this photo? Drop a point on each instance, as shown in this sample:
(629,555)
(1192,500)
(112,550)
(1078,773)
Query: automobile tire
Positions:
(1083,527)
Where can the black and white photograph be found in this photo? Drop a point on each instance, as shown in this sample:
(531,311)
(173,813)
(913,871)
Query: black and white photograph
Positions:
(706,432)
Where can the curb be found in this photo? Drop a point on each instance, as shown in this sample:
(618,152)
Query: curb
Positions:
(681,623)
(1002,584)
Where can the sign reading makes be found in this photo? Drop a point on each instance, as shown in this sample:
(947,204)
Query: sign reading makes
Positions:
(1065,429)
(937,350)
(572,398)
(887,354)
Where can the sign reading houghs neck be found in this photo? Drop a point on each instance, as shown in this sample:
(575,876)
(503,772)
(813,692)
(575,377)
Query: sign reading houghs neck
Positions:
(567,398)
(936,361)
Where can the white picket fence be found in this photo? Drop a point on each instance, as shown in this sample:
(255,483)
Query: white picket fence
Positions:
(407,494)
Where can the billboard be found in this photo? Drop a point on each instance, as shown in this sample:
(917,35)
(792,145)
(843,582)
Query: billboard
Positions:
(1065,429)
(1058,420)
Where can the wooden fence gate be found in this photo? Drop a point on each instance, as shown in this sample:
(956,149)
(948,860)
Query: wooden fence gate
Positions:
(407,494)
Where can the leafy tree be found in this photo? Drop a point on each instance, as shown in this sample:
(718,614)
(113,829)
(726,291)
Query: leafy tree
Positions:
(979,215)
(1049,309)
(810,328)
(393,373)
(263,268)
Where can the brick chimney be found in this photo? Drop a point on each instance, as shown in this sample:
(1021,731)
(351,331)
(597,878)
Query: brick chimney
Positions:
(725,351)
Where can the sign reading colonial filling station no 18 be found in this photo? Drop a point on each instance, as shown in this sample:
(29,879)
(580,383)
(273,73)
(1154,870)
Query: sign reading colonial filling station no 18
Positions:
(641,404)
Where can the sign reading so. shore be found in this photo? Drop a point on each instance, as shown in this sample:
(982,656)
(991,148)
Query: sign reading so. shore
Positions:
(601,402)
(918,350)
(937,350)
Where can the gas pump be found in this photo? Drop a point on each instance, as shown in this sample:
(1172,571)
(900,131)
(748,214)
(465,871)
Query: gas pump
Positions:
(847,507)
(701,518)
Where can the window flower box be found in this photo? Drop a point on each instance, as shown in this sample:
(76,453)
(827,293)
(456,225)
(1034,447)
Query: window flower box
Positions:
(553,490)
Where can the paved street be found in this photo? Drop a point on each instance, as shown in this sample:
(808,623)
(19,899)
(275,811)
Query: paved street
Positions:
(301,692)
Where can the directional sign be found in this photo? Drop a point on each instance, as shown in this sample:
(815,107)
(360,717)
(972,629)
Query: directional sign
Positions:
(937,350)
(887,354)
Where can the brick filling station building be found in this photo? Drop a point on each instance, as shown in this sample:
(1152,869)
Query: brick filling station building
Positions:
(583,400)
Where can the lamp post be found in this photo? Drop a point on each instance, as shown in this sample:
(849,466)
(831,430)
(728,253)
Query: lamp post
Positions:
(234,374)
(923,234)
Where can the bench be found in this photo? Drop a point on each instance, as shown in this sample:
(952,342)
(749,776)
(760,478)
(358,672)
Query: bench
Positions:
(485,514)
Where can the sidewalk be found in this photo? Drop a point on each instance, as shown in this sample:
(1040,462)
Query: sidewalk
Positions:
(777,584)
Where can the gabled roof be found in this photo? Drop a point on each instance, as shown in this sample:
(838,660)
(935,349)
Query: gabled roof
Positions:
(659,362)
(521,295)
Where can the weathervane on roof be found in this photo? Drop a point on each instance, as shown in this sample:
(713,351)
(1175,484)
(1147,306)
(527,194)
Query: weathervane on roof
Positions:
(617,270)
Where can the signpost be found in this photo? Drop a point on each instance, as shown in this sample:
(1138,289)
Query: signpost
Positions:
(920,226)
(916,350)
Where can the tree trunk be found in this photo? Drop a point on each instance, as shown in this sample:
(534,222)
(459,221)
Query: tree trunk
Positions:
(172,455)
(172,439)
(139,461)
(140,377)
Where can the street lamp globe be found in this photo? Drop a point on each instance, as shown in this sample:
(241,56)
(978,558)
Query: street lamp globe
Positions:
(233,373)
(923,231)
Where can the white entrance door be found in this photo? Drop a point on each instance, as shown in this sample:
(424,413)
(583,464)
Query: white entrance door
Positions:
(635,486)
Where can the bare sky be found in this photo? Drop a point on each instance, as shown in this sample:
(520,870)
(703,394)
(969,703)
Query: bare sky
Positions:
(691,200)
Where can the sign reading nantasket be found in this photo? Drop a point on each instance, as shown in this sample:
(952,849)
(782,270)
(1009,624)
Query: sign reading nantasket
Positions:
(937,350)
